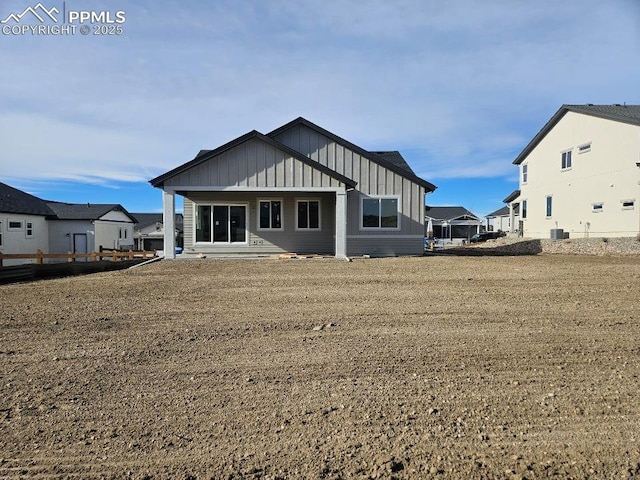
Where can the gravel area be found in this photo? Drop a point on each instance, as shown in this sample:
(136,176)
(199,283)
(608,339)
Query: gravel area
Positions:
(434,367)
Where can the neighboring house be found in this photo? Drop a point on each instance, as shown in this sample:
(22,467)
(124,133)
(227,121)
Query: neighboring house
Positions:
(581,174)
(149,231)
(501,221)
(298,189)
(452,223)
(28,224)
(88,227)
(23,223)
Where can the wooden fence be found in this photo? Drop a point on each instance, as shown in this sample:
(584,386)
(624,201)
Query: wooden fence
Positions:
(114,255)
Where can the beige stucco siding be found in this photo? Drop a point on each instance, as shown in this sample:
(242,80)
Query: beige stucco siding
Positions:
(606,174)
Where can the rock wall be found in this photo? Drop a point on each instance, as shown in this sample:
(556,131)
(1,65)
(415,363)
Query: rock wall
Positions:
(578,246)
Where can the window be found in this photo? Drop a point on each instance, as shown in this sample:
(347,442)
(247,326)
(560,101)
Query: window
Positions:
(549,205)
(524,209)
(1,244)
(628,204)
(14,225)
(525,173)
(585,147)
(597,207)
(29,230)
(380,213)
(221,223)
(566,160)
(270,215)
(308,215)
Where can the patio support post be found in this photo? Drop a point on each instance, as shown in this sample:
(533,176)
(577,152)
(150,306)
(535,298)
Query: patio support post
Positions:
(169,220)
(511,219)
(341,224)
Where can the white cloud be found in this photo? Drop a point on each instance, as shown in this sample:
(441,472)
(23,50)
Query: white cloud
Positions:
(460,89)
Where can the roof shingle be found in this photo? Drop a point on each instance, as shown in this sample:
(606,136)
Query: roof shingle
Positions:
(85,211)
(13,200)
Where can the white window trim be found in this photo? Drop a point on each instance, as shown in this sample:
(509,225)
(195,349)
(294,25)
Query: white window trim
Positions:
(271,229)
(546,201)
(27,228)
(628,200)
(586,146)
(522,177)
(319,215)
(15,229)
(524,211)
(597,210)
(380,197)
(565,169)
(222,204)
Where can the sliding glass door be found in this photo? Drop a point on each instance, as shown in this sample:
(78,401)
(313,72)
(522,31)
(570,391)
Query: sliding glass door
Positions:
(221,223)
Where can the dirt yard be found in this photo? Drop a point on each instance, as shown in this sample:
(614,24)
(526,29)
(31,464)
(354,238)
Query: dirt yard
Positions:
(435,367)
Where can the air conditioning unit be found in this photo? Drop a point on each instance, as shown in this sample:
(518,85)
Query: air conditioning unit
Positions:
(557,234)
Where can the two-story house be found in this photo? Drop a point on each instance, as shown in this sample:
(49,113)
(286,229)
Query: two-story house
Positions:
(581,174)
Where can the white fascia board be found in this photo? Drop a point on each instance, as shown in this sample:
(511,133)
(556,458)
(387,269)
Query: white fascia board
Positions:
(174,189)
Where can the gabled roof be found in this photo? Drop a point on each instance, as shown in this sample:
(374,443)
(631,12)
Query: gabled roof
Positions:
(501,212)
(147,219)
(619,113)
(396,158)
(205,155)
(449,213)
(512,196)
(13,200)
(376,158)
(85,211)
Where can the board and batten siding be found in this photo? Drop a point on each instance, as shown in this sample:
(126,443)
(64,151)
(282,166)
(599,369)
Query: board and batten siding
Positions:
(373,180)
(266,241)
(253,164)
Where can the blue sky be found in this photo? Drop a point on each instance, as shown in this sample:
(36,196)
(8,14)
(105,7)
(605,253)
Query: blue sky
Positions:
(458,87)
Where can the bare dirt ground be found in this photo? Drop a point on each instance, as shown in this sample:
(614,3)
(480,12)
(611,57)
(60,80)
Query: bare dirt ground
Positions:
(438,367)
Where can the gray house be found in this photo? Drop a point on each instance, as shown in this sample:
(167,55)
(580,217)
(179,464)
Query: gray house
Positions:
(149,231)
(452,223)
(297,189)
(23,223)
(87,227)
(28,224)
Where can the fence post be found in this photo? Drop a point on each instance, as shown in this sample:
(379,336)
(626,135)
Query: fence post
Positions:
(93,256)
(1,260)
(39,257)
(130,254)
(69,257)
